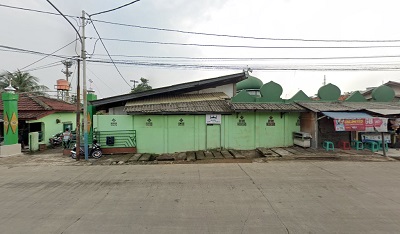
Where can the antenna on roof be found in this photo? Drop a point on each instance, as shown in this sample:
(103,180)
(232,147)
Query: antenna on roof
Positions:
(247,70)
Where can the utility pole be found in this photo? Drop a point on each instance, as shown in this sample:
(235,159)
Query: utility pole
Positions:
(134,83)
(85,120)
(67,63)
(78,114)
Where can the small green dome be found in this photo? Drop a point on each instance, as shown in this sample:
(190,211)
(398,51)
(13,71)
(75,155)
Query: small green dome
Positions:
(250,83)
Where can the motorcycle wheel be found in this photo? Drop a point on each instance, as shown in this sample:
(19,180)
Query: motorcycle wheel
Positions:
(97,154)
(73,155)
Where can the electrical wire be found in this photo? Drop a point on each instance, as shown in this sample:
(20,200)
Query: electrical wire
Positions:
(102,12)
(250,46)
(94,48)
(248,58)
(242,37)
(74,72)
(101,80)
(295,67)
(53,64)
(48,55)
(207,34)
(105,48)
(65,19)
(19,50)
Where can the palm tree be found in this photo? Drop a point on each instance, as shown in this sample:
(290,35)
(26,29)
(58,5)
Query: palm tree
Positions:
(23,82)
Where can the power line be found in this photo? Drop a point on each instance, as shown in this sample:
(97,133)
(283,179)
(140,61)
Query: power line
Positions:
(48,55)
(19,50)
(242,37)
(248,58)
(250,46)
(108,53)
(53,64)
(101,80)
(324,67)
(98,13)
(32,10)
(65,18)
(207,34)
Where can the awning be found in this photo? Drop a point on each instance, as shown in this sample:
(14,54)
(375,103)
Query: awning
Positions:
(347,115)
(385,111)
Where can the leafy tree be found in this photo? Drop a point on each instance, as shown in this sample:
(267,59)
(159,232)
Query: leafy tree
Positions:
(22,82)
(143,86)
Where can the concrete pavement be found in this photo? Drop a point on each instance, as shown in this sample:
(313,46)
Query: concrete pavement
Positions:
(274,197)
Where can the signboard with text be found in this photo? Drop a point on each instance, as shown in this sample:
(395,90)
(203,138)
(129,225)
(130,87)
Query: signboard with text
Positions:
(213,119)
(374,124)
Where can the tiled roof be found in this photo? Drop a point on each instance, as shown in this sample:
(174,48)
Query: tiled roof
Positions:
(36,107)
(201,103)
(210,106)
(179,98)
(58,105)
(268,107)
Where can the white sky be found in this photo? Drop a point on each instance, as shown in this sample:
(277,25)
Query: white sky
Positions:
(307,19)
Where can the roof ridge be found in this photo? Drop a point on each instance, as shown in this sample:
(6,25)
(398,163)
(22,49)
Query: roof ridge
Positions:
(41,103)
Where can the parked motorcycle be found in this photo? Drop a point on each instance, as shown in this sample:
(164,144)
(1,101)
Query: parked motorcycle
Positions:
(94,151)
(56,140)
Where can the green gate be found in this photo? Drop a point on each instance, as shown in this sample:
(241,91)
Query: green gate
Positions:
(116,139)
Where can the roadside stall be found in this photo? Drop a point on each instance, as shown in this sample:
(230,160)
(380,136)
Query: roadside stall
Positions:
(365,130)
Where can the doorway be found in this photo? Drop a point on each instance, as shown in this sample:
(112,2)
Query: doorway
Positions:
(213,136)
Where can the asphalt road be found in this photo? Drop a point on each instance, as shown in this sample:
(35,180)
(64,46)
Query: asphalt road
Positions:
(274,197)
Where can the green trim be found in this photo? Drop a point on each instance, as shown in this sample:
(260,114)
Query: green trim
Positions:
(243,96)
(356,97)
(300,96)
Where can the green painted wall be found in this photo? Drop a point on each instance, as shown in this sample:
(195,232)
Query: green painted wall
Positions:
(50,127)
(177,133)
(239,131)
(180,133)
(150,133)
(112,122)
(213,138)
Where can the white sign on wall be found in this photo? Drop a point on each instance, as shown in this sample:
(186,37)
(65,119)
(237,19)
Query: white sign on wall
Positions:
(213,119)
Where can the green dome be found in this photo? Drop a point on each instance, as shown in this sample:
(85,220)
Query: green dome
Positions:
(250,83)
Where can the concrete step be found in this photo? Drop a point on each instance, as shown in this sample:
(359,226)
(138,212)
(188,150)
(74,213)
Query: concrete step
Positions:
(267,152)
(236,154)
(226,154)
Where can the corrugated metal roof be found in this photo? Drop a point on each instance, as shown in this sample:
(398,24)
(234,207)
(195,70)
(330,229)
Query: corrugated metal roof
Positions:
(210,106)
(268,107)
(373,105)
(385,111)
(179,98)
(347,115)
(349,106)
(327,106)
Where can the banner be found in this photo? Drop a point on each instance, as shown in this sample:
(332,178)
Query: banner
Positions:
(374,124)
(375,137)
(349,125)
